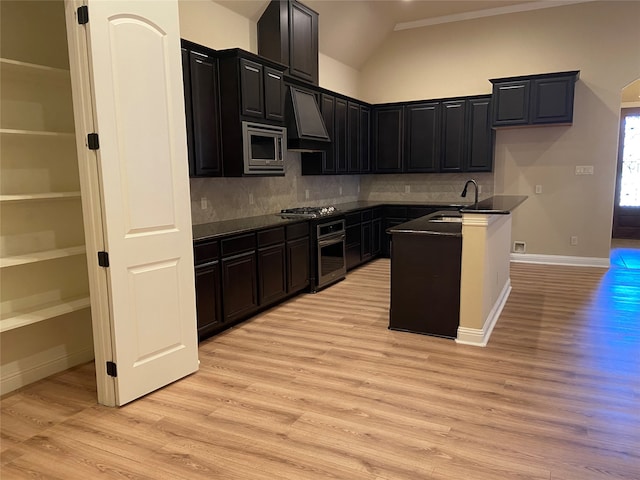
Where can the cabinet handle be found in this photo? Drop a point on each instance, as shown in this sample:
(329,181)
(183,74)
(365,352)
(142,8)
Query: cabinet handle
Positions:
(201,54)
(274,76)
(251,69)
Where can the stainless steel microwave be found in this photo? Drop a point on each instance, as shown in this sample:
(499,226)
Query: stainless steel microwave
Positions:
(265,148)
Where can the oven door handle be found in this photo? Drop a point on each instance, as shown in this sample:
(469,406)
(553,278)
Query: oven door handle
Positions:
(330,241)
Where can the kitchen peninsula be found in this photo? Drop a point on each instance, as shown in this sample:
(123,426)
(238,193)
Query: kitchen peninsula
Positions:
(450,270)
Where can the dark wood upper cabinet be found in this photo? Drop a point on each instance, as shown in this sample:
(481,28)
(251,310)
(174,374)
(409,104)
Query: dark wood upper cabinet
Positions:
(365,139)
(341,136)
(552,99)
(200,72)
(388,138)
(422,127)
(453,135)
(303,43)
(544,99)
(288,34)
(251,88)
(353,127)
(511,103)
(274,91)
(186,75)
(480,137)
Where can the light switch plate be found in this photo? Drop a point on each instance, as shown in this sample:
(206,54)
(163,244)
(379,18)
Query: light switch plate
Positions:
(584,169)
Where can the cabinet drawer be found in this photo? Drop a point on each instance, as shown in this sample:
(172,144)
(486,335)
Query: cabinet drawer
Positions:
(271,236)
(205,252)
(239,244)
(297,230)
(353,218)
(366,215)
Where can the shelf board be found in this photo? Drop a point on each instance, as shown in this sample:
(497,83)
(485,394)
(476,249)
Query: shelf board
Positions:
(16,66)
(40,313)
(41,256)
(39,133)
(25,197)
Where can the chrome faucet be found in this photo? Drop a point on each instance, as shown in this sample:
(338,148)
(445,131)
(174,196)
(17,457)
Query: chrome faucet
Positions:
(464,192)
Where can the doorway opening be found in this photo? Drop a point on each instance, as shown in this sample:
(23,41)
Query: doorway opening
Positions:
(626,215)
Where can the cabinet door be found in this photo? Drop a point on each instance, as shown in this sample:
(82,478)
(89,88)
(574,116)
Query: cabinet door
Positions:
(422,131)
(366,244)
(327,107)
(511,103)
(297,264)
(186,81)
(341,136)
(552,100)
(353,127)
(480,135)
(208,299)
(388,136)
(206,109)
(303,42)
(273,95)
(376,236)
(251,88)
(239,286)
(365,139)
(272,277)
(453,136)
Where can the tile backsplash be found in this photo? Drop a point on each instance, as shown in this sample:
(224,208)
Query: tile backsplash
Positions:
(228,198)
(427,187)
(216,199)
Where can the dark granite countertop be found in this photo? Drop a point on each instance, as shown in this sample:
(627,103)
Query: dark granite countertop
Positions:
(206,231)
(496,205)
(499,204)
(425,225)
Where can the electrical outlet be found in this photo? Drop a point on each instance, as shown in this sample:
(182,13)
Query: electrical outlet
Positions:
(340,190)
(538,188)
(479,189)
(251,199)
(306,194)
(574,240)
(203,203)
(407,189)
(358,188)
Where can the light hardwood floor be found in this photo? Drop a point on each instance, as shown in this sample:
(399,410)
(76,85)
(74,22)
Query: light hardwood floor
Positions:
(319,388)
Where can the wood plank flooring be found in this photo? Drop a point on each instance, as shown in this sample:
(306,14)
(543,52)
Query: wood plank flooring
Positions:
(319,388)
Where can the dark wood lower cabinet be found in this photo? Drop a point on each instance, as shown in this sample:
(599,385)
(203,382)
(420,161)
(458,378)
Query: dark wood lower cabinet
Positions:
(297,264)
(208,301)
(272,276)
(239,286)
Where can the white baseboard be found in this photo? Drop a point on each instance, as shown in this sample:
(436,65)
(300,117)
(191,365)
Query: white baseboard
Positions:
(479,337)
(560,260)
(43,370)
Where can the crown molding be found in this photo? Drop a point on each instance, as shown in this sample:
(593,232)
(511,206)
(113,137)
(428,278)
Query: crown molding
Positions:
(490,12)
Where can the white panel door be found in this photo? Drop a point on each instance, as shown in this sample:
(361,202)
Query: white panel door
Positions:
(134,50)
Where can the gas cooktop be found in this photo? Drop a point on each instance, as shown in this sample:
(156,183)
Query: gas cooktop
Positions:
(308,212)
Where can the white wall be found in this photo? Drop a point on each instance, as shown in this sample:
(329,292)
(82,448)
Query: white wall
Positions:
(600,39)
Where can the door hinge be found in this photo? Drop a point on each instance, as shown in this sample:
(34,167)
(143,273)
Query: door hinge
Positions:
(83,15)
(93,142)
(112,369)
(103,259)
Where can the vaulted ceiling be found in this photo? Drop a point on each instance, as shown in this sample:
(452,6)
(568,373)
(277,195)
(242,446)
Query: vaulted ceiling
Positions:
(351,30)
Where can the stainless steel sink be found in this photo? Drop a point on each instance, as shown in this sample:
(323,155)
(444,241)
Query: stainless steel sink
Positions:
(446,219)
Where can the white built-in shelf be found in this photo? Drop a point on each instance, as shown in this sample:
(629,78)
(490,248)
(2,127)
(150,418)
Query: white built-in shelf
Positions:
(26,197)
(16,67)
(42,256)
(40,313)
(37,133)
